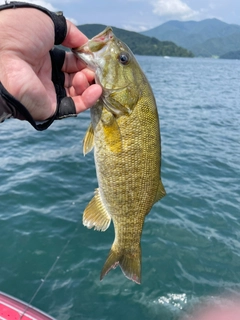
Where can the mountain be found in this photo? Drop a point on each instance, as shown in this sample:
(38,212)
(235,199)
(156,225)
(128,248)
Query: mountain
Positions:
(231,55)
(139,44)
(210,37)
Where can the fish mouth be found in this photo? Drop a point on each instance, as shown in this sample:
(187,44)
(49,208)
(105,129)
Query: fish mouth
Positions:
(89,50)
(100,40)
(90,53)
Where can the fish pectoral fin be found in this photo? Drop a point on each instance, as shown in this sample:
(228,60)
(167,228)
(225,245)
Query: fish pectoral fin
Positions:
(95,215)
(88,141)
(115,107)
(160,192)
(129,262)
(112,134)
(121,101)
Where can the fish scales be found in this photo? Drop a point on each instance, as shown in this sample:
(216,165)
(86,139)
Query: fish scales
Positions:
(125,134)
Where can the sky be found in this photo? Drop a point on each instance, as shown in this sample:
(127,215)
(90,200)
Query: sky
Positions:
(141,15)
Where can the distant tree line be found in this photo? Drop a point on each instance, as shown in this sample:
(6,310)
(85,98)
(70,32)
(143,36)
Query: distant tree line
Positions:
(138,43)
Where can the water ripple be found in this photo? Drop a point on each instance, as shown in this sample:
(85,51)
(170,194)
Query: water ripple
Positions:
(191,238)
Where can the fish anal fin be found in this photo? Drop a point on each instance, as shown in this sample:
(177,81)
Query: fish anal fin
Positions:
(160,192)
(95,215)
(129,262)
(88,141)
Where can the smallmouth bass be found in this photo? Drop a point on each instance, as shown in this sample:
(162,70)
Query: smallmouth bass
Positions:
(125,134)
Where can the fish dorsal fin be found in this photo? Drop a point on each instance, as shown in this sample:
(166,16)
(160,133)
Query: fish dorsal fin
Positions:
(112,133)
(160,192)
(95,215)
(88,141)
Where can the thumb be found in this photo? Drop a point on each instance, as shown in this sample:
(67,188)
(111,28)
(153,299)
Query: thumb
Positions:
(74,37)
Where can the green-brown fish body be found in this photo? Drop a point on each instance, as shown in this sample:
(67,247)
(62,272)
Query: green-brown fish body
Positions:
(125,134)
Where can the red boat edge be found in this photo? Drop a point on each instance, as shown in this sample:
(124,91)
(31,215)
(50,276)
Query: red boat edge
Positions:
(14,309)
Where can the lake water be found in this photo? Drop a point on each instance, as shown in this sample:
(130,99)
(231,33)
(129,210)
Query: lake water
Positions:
(191,238)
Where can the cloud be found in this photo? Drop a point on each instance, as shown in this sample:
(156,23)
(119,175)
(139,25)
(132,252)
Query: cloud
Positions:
(173,9)
(45,4)
(74,21)
(136,28)
(41,3)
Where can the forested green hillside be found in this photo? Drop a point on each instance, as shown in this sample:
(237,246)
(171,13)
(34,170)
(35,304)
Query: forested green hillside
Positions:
(206,38)
(138,43)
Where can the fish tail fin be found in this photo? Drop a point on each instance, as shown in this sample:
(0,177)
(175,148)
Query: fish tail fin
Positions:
(129,262)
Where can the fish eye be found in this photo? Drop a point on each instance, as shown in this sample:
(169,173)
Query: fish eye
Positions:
(124,58)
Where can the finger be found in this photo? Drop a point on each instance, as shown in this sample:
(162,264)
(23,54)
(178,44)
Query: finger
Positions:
(72,63)
(82,80)
(74,37)
(89,74)
(78,82)
(88,98)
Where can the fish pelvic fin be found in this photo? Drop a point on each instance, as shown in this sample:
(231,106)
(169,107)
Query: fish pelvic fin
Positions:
(88,141)
(129,262)
(160,192)
(95,215)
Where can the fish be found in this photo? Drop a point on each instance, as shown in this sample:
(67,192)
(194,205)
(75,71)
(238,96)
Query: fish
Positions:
(125,135)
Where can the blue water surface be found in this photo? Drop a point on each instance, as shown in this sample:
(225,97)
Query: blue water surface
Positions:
(191,238)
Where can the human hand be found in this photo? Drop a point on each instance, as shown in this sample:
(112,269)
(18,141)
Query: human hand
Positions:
(27,36)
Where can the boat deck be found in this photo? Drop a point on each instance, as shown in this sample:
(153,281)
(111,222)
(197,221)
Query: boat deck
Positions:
(14,309)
